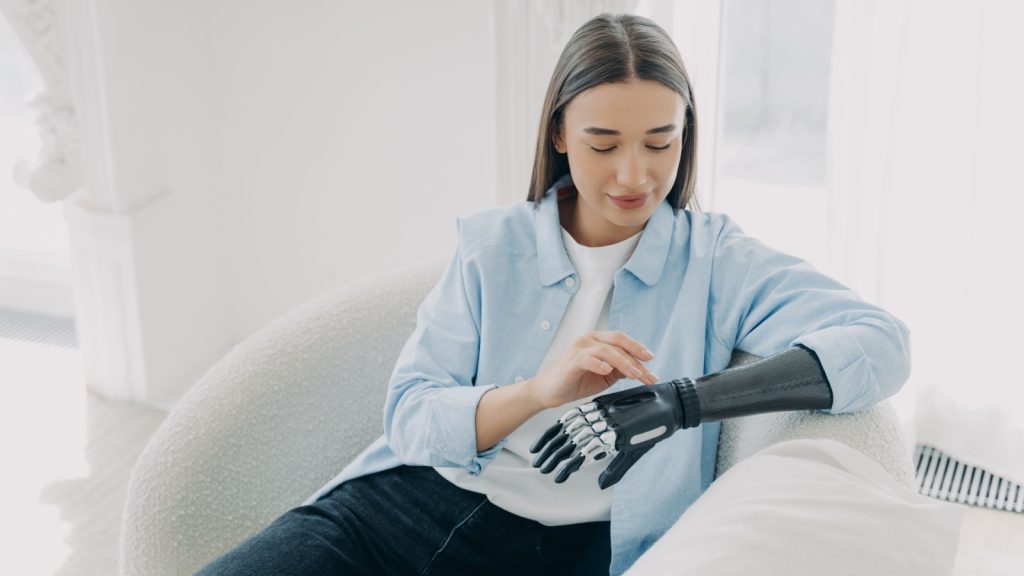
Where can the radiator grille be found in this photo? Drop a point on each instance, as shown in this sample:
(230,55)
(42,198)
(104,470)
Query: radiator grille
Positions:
(945,478)
(37,328)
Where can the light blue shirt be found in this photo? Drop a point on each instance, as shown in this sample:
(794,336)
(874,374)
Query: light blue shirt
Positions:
(695,289)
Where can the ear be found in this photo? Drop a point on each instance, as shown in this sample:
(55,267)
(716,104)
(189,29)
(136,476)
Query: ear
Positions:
(558,141)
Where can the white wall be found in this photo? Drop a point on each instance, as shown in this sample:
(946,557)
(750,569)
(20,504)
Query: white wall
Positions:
(265,153)
(351,136)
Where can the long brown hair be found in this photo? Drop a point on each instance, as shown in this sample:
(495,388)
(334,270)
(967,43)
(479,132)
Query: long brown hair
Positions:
(614,48)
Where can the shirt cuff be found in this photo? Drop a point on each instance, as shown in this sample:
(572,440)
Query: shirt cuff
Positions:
(846,367)
(453,426)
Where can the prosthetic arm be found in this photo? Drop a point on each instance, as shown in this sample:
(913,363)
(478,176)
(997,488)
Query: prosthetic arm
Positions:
(626,424)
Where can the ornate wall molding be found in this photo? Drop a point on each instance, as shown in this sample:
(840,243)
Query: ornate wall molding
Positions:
(57,171)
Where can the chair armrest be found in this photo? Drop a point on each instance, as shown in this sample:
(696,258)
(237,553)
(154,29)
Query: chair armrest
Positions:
(875,432)
(269,423)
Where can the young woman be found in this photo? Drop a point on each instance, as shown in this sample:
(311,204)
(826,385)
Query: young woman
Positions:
(573,302)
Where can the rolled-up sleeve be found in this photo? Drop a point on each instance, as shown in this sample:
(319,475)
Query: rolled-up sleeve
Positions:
(430,411)
(764,301)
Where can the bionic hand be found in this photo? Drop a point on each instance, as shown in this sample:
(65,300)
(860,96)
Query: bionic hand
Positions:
(626,424)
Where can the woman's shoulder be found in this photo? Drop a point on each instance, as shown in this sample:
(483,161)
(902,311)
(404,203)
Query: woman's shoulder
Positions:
(497,226)
(707,218)
(711,225)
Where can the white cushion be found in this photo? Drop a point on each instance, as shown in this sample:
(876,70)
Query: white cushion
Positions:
(808,506)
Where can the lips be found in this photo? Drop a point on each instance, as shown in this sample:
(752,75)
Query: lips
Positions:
(632,198)
(630,201)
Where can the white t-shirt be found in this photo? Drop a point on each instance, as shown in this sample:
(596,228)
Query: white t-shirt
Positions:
(510,481)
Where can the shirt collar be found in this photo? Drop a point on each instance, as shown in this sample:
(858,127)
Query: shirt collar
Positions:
(647,262)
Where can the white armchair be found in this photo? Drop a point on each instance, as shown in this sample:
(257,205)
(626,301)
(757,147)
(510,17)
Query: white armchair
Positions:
(287,408)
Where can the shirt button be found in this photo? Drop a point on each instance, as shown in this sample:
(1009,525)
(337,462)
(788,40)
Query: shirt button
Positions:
(545,325)
(519,378)
(570,281)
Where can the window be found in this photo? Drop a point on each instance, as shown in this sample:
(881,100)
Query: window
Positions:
(770,171)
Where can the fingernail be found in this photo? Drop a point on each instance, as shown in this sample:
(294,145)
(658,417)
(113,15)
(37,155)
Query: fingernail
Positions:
(648,352)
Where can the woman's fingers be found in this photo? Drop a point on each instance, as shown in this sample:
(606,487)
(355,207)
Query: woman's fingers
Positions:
(622,340)
(615,357)
(597,365)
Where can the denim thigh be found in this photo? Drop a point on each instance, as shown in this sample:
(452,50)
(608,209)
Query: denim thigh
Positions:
(408,520)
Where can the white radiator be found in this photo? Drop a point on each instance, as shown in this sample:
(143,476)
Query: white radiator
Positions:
(942,477)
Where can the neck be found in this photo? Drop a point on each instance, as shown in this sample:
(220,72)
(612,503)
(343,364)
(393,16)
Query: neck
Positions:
(568,211)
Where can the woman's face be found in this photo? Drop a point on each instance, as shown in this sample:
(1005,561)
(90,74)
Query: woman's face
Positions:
(621,140)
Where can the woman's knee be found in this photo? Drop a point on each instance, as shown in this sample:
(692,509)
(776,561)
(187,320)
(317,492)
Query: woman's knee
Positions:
(304,540)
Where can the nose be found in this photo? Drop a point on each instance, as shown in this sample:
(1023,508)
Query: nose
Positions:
(632,172)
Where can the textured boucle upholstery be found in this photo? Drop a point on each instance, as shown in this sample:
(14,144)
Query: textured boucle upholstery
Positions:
(287,408)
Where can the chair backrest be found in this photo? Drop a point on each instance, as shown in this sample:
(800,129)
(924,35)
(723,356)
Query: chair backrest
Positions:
(269,423)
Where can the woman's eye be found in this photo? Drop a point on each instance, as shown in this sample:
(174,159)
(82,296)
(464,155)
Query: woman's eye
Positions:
(606,150)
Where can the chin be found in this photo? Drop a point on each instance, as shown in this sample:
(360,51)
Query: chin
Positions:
(626,221)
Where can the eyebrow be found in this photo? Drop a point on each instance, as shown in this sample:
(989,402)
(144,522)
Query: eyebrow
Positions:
(610,132)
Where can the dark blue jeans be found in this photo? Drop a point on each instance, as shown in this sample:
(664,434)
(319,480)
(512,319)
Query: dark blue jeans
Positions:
(410,520)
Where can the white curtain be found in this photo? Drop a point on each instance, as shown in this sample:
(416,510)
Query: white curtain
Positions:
(926,147)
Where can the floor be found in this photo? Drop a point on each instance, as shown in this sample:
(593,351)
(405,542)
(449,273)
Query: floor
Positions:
(72,453)
(991,543)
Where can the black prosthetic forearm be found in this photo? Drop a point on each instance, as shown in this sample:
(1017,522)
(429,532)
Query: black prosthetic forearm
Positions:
(790,380)
(628,423)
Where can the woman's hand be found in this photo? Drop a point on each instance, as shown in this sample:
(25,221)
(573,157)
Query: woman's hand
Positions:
(595,361)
